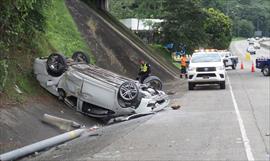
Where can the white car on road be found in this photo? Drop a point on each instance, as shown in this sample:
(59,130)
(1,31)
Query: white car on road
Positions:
(251,49)
(229,59)
(206,68)
(95,91)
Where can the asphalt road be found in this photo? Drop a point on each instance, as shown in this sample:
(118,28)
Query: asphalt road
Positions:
(212,124)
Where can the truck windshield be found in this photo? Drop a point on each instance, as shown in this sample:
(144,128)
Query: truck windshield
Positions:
(200,58)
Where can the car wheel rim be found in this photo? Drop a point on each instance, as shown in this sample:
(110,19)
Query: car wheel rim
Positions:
(155,84)
(265,71)
(128,91)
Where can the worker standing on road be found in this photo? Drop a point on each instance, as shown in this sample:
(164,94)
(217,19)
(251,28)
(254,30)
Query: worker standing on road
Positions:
(144,71)
(183,66)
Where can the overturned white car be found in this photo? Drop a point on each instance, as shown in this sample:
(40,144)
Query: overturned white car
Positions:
(95,91)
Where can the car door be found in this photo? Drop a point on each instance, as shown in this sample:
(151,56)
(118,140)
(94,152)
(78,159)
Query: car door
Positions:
(73,83)
(98,93)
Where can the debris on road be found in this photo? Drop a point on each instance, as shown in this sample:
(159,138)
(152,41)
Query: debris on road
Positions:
(61,123)
(171,92)
(175,107)
(126,118)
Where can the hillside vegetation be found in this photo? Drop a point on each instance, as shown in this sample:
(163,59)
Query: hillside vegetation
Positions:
(31,29)
(199,23)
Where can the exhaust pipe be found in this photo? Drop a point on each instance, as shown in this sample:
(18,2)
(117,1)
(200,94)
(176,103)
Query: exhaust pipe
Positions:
(29,149)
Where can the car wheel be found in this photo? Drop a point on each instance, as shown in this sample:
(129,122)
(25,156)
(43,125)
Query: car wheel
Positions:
(191,86)
(56,64)
(266,71)
(128,91)
(153,82)
(79,56)
(61,94)
(222,85)
(233,66)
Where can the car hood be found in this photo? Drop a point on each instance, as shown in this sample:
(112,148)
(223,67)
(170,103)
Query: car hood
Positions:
(206,64)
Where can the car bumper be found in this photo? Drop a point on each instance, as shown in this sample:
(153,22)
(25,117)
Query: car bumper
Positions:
(153,104)
(206,77)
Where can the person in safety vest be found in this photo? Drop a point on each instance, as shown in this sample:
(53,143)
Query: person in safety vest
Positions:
(144,71)
(183,66)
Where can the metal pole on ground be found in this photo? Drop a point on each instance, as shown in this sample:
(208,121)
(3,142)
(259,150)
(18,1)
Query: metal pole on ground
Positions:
(29,149)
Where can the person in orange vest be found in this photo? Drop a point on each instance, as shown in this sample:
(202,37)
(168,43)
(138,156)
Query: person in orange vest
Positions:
(183,66)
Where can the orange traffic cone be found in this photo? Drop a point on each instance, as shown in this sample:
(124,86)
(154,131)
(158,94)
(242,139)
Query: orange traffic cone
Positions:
(242,65)
(252,68)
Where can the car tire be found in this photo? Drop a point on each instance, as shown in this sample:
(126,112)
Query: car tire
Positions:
(153,82)
(266,71)
(61,94)
(128,91)
(56,64)
(222,85)
(191,86)
(233,66)
(80,56)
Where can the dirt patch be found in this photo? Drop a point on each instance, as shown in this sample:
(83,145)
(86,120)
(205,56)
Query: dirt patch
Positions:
(20,124)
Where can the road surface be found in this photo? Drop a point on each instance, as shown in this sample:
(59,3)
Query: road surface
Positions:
(212,124)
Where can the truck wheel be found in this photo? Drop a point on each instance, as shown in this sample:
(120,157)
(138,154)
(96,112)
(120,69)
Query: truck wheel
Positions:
(153,82)
(266,71)
(56,64)
(128,91)
(190,86)
(222,85)
(80,56)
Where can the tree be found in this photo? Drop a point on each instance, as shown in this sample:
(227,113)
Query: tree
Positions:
(218,27)
(183,23)
(20,20)
(244,28)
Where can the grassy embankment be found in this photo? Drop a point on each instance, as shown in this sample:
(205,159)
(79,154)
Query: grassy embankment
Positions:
(61,35)
(164,53)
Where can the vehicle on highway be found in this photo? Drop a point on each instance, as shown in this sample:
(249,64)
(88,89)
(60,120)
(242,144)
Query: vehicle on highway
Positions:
(257,45)
(206,68)
(251,50)
(251,41)
(95,91)
(229,59)
(263,63)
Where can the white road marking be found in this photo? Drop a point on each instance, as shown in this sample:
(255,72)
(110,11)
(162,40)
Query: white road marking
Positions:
(241,125)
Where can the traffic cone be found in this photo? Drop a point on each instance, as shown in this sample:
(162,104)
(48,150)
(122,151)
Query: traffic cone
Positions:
(252,67)
(242,65)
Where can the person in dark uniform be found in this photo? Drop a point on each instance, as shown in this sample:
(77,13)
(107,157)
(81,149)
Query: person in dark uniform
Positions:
(144,71)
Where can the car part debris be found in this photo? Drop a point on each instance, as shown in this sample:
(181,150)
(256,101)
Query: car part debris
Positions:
(29,149)
(171,92)
(18,90)
(175,107)
(61,123)
(122,118)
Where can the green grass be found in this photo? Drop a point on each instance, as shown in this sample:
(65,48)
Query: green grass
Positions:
(62,32)
(159,49)
(238,38)
(61,35)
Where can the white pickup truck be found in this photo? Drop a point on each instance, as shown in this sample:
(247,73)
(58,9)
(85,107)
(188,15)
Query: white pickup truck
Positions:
(206,68)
